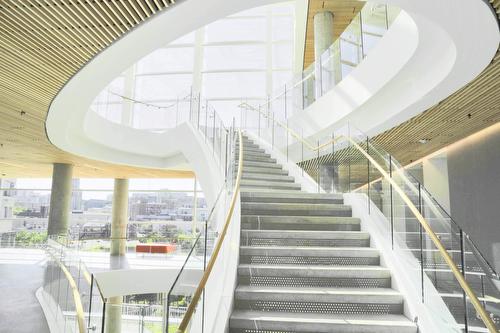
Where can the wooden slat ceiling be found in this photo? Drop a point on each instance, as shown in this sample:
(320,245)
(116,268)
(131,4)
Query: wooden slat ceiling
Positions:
(343,13)
(42,44)
(472,108)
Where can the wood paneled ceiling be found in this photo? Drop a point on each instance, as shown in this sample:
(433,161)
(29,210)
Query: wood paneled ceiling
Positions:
(42,44)
(343,13)
(472,108)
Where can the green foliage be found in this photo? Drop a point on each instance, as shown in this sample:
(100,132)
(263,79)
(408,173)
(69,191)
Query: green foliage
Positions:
(31,237)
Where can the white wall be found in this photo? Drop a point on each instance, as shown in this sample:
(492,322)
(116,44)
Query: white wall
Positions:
(435,171)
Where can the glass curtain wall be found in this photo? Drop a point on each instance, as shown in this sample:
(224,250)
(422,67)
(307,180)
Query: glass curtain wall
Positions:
(243,57)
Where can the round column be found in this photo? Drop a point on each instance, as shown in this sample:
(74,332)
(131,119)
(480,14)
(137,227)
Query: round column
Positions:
(60,199)
(119,219)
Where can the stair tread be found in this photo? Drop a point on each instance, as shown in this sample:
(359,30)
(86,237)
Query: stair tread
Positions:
(309,270)
(307,234)
(331,251)
(318,291)
(303,219)
(316,318)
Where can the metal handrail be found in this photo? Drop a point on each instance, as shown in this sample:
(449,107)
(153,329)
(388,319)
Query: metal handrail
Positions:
(488,322)
(201,286)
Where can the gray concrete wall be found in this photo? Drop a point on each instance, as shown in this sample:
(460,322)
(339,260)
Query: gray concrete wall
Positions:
(474,177)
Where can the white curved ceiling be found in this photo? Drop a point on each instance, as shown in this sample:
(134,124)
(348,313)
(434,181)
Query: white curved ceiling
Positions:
(446,44)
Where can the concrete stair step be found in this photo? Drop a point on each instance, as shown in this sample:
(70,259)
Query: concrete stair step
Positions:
(294,209)
(319,300)
(253,153)
(269,184)
(314,238)
(268,177)
(372,272)
(253,158)
(263,170)
(307,256)
(323,223)
(260,165)
(292,197)
(266,322)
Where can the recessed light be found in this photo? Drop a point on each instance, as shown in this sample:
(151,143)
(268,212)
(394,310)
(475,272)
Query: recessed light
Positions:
(423,141)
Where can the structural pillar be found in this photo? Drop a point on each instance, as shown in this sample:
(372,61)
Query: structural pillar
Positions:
(118,249)
(323,32)
(60,199)
(119,218)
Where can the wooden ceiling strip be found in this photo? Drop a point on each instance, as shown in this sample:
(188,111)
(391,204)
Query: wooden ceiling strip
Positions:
(124,26)
(137,10)
(151,11)
(36,37)
(105,21)
(80,6)
(27,76)
(123,16)
(99,20)
(129,11)
(111,18)
(12,82)
(51,13)
(132,5)
(87,23)
(63,17)
(158,5)
(74,48)
(26,60)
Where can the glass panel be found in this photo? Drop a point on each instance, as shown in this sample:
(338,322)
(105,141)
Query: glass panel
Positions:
(236,29)
(158,87)
(282,28)
(167,60)
(240,84)
(234,56)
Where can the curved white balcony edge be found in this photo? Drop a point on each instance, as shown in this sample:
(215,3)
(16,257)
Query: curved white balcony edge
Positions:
(443,45)
(432,49)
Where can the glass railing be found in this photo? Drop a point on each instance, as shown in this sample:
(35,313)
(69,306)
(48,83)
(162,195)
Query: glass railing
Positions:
(335,63)
(185,301)
(450,269)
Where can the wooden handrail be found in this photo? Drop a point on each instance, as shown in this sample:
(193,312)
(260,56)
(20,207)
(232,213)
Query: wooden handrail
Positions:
(80,314)
(488,322)
(201,286)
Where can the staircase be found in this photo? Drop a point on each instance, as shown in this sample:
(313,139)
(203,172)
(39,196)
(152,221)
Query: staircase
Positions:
(305,266)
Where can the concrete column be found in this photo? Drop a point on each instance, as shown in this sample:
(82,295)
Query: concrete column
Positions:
(120,218)
(323,32)
(60,199)
(323,39)
(119,222)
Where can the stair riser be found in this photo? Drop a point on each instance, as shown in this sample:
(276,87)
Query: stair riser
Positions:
(295,212)
(247,158)
(263,171)
(274,186)
(324,282)
(272,178)
(308,260)
(256,241)
(253,153)
(323,306)
(260,165)
(284,199)
(284,327)
(297,226)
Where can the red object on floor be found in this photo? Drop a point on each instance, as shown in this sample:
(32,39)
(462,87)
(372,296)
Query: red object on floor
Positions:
(154,248)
